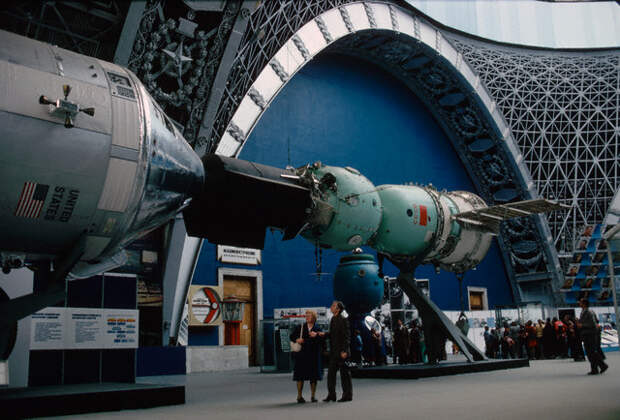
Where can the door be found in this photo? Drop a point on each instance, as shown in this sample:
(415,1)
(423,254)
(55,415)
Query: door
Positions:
(476,301)
(244,288)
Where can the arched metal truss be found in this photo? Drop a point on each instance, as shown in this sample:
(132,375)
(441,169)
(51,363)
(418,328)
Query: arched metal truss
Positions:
(482,94)
(416,52)
(563,110)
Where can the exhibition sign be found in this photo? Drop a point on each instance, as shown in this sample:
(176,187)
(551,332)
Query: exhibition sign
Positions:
(84,328)
(205,307)
(236,255)
(322,313)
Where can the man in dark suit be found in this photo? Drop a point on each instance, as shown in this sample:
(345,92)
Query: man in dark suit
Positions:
(339,342)
(590,334)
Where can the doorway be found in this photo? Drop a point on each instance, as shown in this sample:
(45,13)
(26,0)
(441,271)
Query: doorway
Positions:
(247,286)
(478,300)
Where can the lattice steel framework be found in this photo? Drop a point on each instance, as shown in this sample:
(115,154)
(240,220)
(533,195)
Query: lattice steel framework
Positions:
(417,53)
(563,110)
(270,26)
(88,27)
(176,57)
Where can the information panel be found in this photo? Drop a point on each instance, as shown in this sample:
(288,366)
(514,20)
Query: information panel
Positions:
(285,341)
(236,255)
(84,328)
(47,329)
(121,329)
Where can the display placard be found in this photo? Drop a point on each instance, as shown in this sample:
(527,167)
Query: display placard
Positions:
(322,313)
(205,308)
(84,328)
(285,340)
(47,329)
(121,329)
(236,255)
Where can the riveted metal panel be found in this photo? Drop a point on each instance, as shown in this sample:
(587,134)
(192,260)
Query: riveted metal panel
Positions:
(268,83)
(67,163)
(247,115)
(94,246)
(358,16)
(382,15)
(289,57)
(126,123)
(26,52)
(312,37)
(118,185)
(78,66)
(428,34)
(335,25)
(405,23)
(228,146)
(21,87)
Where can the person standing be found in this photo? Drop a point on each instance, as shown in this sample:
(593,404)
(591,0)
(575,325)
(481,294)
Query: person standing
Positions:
(578,342)
(539,339)
(339,342)
(548,340)
(494,343)
(415,354)
(573,341)
(308,359)
(530,334)
(401,343)
(508,344)
(487,341)
(515,334)
(378,344)
(589,332)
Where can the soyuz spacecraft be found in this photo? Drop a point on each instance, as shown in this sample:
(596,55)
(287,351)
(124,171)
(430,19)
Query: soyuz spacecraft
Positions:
(89,162)
(339,208)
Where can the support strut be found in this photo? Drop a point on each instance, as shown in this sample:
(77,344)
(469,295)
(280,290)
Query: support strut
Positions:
(437,326)
(54,292)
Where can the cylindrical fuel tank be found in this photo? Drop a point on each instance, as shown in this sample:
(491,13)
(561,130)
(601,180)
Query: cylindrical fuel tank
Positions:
(409,223)
(111,176)
(419,221)
(357,283)
(459,248)
(409,220)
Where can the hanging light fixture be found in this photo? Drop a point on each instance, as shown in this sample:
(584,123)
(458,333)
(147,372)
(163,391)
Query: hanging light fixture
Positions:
(232,314)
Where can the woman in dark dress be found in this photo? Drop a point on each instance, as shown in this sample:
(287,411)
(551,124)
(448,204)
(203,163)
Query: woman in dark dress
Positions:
(308,360)
(549,339)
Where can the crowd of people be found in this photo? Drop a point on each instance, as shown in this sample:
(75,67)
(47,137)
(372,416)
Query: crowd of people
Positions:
(550,339)
(406,344)
(554,338)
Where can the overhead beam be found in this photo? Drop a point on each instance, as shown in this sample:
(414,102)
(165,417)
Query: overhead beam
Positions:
(223,71)
(206,6)
(130,30)
(111,17)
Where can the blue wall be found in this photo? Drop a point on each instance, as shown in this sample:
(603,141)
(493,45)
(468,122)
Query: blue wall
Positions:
(346,112)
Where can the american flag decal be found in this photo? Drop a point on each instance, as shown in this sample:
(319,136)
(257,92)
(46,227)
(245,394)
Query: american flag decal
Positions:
(31,200)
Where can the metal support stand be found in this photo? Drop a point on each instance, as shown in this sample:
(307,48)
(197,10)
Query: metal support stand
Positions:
(459,278)
(54,292)
(437,326)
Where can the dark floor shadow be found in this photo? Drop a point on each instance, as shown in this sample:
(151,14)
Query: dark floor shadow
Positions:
(290,404)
